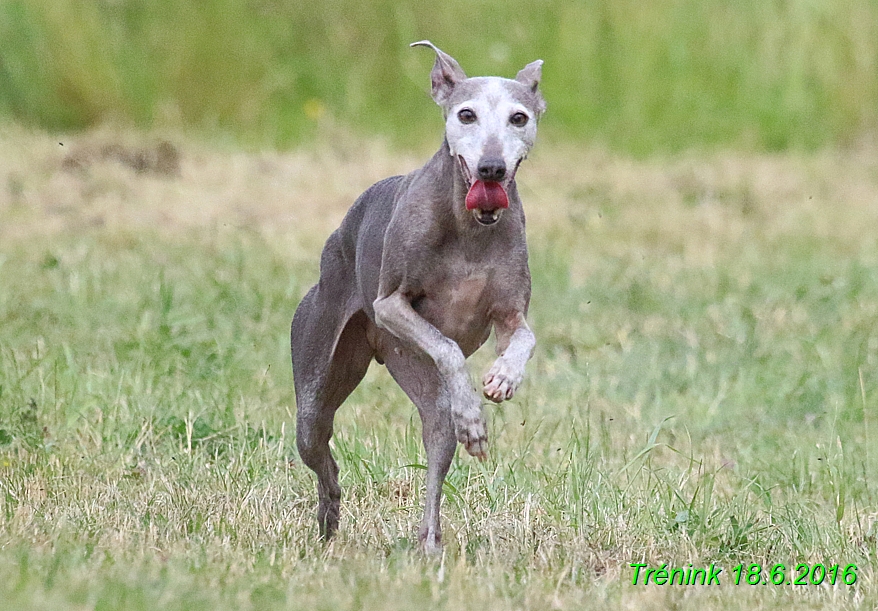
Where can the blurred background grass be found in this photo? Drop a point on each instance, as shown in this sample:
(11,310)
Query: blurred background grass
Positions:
(637,76)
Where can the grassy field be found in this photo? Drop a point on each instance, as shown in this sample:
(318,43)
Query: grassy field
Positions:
(638,76)
(704,389)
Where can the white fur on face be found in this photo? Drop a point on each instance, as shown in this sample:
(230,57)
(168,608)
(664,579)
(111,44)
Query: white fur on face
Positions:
(491,133)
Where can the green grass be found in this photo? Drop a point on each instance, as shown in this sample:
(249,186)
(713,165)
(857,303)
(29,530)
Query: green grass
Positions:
(641,77)
(703,391)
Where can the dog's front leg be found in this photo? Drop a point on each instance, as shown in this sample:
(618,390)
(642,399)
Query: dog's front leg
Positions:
(395,314)
(515,345)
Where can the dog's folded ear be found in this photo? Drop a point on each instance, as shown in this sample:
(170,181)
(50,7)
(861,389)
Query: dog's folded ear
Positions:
(445,75)
(530,77)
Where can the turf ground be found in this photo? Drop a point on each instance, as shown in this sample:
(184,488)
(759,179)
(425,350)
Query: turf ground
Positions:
(704,388)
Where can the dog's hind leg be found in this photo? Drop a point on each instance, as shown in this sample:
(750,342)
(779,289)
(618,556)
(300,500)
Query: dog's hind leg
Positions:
(325,373)
(418,377)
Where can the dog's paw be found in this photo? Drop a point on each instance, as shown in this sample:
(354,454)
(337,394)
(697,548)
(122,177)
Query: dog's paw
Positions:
(430,540)
(501,381)
(466,414)
(472,432)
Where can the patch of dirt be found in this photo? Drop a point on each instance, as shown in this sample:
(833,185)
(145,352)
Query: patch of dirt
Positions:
(162,158)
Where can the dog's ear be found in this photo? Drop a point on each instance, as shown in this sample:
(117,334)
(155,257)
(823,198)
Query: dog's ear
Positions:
(445,75)
(530,77)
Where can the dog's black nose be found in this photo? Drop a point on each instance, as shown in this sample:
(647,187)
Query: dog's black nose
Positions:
(492,168)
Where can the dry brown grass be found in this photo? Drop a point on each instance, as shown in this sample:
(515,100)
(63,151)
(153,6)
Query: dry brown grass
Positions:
(694,204)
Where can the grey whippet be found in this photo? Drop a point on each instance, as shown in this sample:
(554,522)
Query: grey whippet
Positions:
(420,269)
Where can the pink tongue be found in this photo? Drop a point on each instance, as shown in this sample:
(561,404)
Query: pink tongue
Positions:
(486,196)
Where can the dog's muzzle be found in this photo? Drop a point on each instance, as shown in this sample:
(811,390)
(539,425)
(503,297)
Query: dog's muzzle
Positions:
(486,199)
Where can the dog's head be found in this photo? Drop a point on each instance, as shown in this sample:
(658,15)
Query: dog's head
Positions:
(490,125)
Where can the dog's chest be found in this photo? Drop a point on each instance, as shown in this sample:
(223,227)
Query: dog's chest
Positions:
(459,304)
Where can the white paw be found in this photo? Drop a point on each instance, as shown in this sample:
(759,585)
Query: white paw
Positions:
(501,381)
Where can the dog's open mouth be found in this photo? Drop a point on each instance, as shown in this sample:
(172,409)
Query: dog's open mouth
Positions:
(485,199)
(486,217)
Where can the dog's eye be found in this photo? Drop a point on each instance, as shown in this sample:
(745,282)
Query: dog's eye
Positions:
(518,119)
(466,116)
